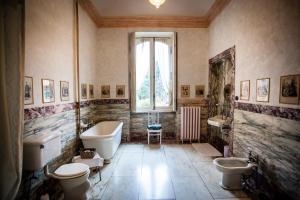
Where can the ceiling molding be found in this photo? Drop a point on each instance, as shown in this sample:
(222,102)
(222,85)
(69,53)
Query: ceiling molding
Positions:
(91,10)
(216,9)
(153,21)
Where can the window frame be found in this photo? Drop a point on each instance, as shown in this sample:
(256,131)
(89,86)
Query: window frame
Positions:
(132,46)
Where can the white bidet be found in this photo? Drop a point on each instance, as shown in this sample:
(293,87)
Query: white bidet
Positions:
(232,168)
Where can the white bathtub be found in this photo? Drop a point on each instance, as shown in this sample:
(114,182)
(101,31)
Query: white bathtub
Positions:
(105,137)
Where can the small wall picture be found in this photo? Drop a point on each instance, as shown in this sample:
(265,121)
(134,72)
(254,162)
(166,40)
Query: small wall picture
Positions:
(199,90)
(263,89)
(48,90)
(120,91)
(91,91)
(28,90)
(83,91)
(289,89)
(185,91)
(245,90)
(64,91)
(105,91)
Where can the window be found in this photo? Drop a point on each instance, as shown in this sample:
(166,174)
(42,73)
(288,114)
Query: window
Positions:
(153,73)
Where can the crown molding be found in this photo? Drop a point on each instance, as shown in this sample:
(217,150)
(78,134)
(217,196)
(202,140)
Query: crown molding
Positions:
(216,9)
(153,21)
(90,9)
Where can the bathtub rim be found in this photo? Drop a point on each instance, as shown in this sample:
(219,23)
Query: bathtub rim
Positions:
(88,137)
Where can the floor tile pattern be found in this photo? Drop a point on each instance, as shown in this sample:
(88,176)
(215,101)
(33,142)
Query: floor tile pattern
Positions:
(171,171)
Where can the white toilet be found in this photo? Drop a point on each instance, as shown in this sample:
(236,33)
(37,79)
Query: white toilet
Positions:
(40,149)
(73,178)
(232,168)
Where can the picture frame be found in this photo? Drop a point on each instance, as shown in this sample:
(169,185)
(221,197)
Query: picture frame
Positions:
(48,90)
(105,91)
(185,90)
(28,90)
(199,90)
(120,91)
(263,90)
(245,90)
(289,89)
(91,91)
(83,91)
(64,91)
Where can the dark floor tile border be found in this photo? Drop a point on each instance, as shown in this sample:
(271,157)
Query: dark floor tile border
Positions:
(282,112)
(45,111)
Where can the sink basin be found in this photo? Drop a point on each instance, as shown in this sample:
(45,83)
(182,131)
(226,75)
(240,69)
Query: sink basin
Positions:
(216,121)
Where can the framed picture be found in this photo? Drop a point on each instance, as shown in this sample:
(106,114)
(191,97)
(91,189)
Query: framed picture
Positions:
(289,89)
(48,90)
(64,91)
(28,90)
(105,91)
(263,89)
(185,90)
(91,91)
(245,90)
(83,91)
(199,90)
(120,91)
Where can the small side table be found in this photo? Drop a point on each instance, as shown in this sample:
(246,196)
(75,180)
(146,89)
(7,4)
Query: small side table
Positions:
(94,163)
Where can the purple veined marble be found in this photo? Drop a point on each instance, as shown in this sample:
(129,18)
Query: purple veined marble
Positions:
(103,101)
(44,111)
(36,112)
(282,112)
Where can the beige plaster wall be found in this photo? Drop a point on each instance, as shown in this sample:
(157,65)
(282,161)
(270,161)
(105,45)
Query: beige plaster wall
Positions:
(88,52)
(49,45)
(266,34)
(112,56)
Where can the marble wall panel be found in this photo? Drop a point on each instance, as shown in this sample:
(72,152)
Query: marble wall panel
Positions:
(276,141)
(63,122)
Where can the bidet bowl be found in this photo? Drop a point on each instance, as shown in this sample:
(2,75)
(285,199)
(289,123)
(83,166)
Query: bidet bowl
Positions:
(233,165)
(232,168)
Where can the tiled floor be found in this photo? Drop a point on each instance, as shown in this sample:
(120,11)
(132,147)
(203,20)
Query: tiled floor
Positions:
(170,171)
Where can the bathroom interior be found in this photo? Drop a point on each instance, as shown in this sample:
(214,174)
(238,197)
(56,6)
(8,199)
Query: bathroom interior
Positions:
(150,99)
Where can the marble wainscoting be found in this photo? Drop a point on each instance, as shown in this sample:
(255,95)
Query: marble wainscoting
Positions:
(139,122)
(276,141)
(171,122)
(135,124)
(107,110)
(58,118)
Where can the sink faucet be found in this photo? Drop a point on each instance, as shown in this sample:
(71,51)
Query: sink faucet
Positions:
(223,110)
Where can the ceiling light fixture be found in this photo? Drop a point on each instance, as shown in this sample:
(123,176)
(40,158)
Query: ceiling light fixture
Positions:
(157,3)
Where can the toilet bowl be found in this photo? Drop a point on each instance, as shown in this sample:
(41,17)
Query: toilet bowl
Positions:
(232,168)
(73,178)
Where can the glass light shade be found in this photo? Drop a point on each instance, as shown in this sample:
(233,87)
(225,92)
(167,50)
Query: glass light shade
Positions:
(157,3)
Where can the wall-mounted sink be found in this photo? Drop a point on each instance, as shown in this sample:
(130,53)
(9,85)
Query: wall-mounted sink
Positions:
(217,121)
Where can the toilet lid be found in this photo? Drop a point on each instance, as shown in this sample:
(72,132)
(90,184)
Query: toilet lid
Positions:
(72,169)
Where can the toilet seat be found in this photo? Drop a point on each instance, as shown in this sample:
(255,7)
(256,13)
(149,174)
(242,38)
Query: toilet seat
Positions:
(72,170)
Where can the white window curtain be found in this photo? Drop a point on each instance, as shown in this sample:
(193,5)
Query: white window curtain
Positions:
(11,96)
(142,58)
(162,59)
